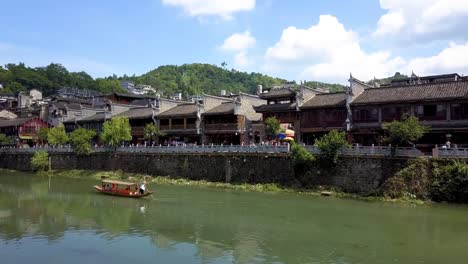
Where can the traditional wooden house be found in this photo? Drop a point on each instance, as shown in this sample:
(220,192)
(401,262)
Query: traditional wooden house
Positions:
(284,102)
(441,104)
(93,122)
(321,114)
(22,130)
(147,113)
(181,124)
(231,122)
(61,109)
(122,98)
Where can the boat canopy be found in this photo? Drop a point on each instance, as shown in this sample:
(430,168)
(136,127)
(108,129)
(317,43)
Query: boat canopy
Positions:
(118,182)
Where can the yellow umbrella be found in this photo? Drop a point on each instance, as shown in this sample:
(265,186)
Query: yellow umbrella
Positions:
(289,133)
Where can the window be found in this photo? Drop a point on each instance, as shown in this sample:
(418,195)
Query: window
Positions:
(366,115)
(391,113)
(459,111)
(430,110)
(178,121)
(164,122)
(191,120)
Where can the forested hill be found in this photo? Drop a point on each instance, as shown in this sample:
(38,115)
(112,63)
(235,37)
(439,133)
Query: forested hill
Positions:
(188,79)
(204,78)
(332,87)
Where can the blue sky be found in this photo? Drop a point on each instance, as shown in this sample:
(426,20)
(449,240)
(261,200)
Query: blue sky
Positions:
(321,40)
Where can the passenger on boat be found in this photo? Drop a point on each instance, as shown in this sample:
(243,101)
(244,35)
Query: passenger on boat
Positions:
(142,187)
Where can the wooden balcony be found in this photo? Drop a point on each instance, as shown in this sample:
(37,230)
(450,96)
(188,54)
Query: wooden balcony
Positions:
(138,131)
(178,127)
(221,127)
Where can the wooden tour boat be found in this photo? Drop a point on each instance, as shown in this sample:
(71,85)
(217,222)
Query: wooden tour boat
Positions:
(121,188)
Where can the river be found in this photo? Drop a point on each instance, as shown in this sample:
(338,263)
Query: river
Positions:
(68,222)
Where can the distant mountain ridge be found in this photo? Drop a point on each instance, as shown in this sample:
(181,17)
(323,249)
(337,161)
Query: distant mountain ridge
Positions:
(188,79)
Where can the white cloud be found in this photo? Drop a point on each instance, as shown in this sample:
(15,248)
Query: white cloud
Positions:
(238,42)
(241,60)
(328,52)
(390,24)
(454,58)
(222,8)
(413,20)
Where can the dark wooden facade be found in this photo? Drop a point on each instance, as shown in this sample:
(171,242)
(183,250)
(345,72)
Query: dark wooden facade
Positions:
(224,129)
(22,130)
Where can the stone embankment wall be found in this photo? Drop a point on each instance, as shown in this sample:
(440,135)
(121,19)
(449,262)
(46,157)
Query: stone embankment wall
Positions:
(352,174)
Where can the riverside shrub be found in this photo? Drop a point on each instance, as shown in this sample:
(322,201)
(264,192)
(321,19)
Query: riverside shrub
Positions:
(410,182)
(450,182)
(40,160)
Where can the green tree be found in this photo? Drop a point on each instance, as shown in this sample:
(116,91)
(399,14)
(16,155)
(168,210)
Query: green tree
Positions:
(15,87)
(301,157)
(152,132)
(404,132)
(272,126)
(116,131)
(331,144)
(57,135)
(81,140)
(4,139)
(40,160)
(42,134)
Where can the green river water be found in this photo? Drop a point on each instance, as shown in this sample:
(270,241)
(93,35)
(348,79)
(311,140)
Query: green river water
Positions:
(68,222)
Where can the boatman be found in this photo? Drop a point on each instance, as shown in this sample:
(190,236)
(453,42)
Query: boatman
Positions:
(142,187)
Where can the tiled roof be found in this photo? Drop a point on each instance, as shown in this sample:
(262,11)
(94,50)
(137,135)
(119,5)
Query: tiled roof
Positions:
(419,92)
(224,108)
(326,100)
(278,92)
(96,117)
(180,110)
(14,122)
(275,107)
(138,113)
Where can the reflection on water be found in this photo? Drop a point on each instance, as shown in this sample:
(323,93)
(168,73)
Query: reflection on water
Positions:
(70,223)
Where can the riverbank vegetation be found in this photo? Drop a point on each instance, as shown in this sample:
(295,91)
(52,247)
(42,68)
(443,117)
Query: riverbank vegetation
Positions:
(40,161)
(436,180)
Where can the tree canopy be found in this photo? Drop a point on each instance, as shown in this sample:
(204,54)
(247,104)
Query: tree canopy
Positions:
(152,132)
(116,131)
(330,145)
(57,135)
(4,139)
(188,79)
(49,79)
(404,132)
(272,126)
(81,140)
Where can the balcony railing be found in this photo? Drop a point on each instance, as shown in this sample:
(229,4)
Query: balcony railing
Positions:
(178,127)
(218,127)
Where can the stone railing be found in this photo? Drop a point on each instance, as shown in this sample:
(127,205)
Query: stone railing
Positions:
(352,151)
(163,149)
(373,151)
(450,152)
